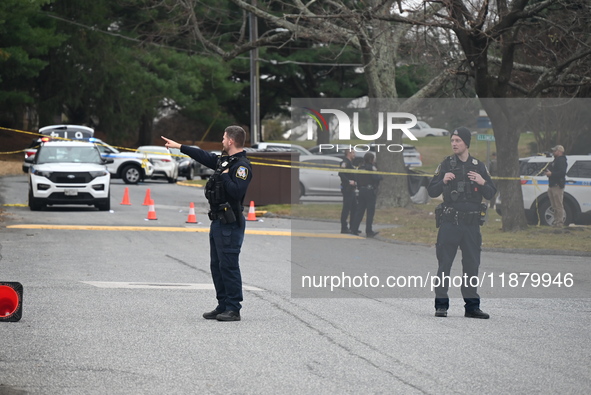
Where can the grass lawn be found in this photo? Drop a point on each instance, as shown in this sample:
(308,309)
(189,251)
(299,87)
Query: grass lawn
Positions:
(417,225)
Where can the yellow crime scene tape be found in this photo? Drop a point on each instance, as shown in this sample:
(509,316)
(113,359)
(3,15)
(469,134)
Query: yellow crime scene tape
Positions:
(280,162)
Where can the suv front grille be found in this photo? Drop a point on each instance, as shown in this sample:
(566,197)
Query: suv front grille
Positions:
(71,177)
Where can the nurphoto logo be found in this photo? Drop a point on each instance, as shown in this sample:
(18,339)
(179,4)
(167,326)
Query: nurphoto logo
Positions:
(387,122)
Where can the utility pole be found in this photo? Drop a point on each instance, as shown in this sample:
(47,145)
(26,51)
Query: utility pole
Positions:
(255,113)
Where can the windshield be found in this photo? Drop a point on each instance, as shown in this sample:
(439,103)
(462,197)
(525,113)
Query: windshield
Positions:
(68,155)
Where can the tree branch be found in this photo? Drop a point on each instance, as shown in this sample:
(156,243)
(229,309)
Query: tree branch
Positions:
(334,33)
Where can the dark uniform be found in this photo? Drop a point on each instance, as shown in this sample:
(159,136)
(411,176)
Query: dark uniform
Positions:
(459,218)
(556,183)
(368,192)
(349,197)
(225,193)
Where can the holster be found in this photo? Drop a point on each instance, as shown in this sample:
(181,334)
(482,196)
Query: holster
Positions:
(438,215)
(483,211)
(225,214)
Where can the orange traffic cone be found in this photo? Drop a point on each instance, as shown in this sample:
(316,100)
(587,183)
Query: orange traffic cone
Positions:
(11,301)
(251,214)
(151,211)
(191,219)
(125,200)
(147,198)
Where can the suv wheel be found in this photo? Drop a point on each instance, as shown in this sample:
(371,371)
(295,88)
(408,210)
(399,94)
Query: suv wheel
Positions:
(131,174)
(104,204)
(35,204)
(546,213)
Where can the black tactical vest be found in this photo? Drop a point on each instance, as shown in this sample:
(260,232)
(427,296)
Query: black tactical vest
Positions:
(214,188)
(461,189)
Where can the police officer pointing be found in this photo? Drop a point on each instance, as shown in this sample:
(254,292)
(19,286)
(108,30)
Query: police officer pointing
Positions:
(463,181)
(225,191)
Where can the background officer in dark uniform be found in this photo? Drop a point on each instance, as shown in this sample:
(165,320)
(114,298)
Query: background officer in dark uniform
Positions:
(225,192)
(464,181)
(348,191)
(367,184)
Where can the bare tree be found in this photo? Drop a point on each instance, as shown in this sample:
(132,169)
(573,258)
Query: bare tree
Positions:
(516,49)
(345,22)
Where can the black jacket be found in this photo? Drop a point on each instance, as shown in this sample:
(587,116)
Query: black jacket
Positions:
(346,177)
(235,181)
(558,169)
(365,179)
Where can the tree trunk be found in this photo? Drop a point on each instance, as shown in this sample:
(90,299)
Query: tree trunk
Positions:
(379,57)
(145,133)
(504,116)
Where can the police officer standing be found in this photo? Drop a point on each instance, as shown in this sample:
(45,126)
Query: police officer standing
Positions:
(348,186)
(225,191)
(367,184)
(464,181)
(556,173)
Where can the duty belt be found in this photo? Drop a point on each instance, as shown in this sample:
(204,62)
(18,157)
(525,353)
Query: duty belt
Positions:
(454,216)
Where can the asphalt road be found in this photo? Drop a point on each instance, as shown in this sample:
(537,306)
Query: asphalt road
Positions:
(113,304)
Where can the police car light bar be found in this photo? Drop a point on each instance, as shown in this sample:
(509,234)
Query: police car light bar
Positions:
(76,132)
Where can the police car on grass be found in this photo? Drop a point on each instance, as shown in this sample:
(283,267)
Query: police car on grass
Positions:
(68,172)
(534,186)
(131,167)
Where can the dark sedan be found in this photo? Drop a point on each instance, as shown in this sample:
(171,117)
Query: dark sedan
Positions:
(188,167)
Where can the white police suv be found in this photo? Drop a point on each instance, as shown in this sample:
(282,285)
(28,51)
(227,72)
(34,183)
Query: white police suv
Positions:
(68,172)
(534,186)
(131,167)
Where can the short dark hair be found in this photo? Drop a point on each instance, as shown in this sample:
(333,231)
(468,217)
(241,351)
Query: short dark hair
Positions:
(237,134)
(368,157)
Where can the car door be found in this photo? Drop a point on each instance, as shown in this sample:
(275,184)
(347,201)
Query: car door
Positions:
(319,178)
(578,183)
(533,182)
(333,175)
(108,152)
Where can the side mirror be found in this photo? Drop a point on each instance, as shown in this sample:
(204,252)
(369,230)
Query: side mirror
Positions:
(108,161)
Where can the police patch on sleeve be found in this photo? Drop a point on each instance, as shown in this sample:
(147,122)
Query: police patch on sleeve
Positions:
(438,170)
(242,172)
